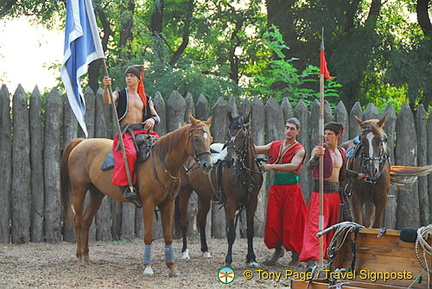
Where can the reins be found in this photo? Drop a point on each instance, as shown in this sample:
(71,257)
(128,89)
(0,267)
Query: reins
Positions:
(165,169)
(241,166)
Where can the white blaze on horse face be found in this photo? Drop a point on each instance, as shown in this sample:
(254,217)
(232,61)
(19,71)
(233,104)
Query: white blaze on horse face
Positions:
(370,137)
(205,136)
(374,163)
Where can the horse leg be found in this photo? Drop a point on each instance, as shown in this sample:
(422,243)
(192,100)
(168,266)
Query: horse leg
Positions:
(167,218)
(250,215)
(357,206)
(78,197)
(231,235)
(203,209)
(91,209)
(183,200)
(380,206)
(369,211)
(148,209)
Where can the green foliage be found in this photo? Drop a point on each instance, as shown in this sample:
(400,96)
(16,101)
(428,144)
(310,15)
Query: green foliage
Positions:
(375,90)
(282,79)
(377,54)
(44,12)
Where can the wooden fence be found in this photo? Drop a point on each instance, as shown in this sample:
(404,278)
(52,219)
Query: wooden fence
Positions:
(33,133)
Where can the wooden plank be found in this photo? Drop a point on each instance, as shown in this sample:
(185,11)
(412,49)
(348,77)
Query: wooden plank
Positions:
(323,284)
(376,257)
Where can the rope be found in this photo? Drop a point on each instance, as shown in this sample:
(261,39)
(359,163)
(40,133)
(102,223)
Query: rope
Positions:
(344,229)
(423,234)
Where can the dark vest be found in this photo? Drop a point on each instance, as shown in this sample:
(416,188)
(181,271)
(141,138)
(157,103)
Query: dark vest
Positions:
(122,105)
(328,165)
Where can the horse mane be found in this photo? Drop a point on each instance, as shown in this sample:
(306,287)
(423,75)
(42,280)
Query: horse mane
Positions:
(372,124)
(170,140)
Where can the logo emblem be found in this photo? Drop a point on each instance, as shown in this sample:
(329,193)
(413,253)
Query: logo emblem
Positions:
(226,275)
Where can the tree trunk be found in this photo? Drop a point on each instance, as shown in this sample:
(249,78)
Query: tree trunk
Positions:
(127,10)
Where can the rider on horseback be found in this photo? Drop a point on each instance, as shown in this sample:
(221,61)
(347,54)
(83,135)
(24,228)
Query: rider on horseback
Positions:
(137,115)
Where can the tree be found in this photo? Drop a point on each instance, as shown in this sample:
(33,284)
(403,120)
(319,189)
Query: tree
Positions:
(411,63)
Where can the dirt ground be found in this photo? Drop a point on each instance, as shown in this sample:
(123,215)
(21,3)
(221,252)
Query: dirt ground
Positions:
(119,265)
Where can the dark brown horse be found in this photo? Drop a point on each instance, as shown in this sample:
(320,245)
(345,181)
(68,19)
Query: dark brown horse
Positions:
(371,157)
(158,181)
(235,184)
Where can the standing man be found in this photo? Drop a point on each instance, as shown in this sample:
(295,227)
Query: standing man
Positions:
(286,207)
(334,172)
(137,115)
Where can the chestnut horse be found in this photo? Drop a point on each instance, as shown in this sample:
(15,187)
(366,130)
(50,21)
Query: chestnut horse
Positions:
(158,181)
(371,158)
(235,184)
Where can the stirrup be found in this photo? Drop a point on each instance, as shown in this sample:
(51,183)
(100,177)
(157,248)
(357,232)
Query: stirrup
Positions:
(131,196)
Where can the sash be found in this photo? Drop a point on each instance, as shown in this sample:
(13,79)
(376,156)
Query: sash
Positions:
(285,179)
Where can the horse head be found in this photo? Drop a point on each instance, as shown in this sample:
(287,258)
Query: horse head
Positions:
(238,132)
(201,138)
(374,153)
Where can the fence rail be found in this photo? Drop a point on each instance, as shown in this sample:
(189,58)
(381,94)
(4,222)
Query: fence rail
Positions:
(33,133)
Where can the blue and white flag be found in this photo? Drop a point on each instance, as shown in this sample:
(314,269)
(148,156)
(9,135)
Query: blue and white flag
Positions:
(82,46)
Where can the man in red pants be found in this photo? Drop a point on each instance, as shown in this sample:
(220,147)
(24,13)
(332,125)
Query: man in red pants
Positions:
(334,172)
(286,207)
(135,111)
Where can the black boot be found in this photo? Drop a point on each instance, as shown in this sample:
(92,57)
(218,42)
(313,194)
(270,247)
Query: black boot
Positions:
(131,196)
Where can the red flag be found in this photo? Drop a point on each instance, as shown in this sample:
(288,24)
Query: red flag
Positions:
(323,63)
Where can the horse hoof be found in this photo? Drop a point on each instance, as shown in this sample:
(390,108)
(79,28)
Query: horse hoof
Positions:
(206,255)
(253,264)
(148,272)
(174,274)
(185,255)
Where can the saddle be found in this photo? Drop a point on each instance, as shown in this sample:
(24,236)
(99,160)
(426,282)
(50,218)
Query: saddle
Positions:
(143,145)
(218,155)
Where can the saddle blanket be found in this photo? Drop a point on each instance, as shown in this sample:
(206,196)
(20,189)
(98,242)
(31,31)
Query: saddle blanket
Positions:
(108,163)
(218,152)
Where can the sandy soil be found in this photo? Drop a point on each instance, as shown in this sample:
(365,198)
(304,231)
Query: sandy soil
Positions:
(118,265)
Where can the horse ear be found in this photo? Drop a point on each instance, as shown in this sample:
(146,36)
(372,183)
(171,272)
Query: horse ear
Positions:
(359,121)
(248,117)
(209,120)
(193,120)
(380,123)
(230,116)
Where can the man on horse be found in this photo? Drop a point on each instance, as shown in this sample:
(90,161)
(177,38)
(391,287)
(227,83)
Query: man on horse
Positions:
(334,172)
(137,115)
(286,207)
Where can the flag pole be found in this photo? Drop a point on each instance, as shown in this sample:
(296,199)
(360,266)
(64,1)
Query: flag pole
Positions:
(321,162)
(120,135)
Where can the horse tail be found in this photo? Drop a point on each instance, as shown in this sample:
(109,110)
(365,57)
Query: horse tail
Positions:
(405,175)
(65,187)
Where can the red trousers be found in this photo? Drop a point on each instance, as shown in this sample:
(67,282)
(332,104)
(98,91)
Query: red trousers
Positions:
(119,177)
(331,209)
(286,210)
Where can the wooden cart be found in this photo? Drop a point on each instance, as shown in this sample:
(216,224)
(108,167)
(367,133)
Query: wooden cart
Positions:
(381,262)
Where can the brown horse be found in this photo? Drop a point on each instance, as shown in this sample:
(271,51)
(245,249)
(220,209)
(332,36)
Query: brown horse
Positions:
(235,182)
(371,158)
(158,181)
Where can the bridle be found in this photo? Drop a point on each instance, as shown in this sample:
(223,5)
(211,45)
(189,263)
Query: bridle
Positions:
(198,154)
(231,143)
(243,149)
(366,163)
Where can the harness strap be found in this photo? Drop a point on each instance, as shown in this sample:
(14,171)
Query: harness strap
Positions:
(353,245)
(170,194)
